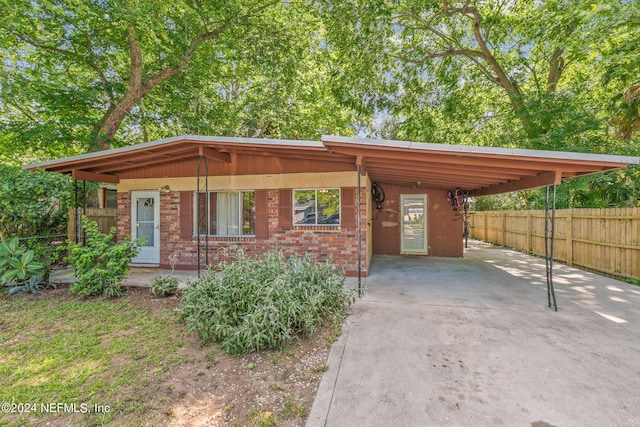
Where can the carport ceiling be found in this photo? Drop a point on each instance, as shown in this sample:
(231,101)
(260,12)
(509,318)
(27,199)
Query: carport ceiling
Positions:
(480,170)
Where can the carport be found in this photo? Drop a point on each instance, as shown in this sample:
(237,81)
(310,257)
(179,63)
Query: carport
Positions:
(413,167)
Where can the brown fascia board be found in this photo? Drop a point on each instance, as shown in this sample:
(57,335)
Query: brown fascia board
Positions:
(488,160)
(94,177)
(547,155)
(64,164)
(541,180)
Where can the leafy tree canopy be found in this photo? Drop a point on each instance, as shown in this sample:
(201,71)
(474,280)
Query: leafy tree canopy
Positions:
(83,75)
(564,75)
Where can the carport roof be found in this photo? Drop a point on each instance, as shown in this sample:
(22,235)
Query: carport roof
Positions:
(481,170)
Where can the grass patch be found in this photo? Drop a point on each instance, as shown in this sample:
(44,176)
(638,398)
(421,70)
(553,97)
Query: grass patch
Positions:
(83,352)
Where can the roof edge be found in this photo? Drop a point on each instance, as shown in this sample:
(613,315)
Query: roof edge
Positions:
(173,139)
(474,149)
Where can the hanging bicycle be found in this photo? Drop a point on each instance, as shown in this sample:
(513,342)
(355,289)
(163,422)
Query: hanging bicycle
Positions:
(378,195)
(459,200)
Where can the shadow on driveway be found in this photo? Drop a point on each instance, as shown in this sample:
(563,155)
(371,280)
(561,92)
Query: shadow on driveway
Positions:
(450,342)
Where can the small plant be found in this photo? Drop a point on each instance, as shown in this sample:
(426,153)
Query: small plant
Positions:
(260,418)
(164,285)
(18,267)
(33,285)
(319,369)
(101,264)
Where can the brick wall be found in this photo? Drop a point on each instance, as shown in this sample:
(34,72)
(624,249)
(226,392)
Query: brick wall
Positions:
(340,244)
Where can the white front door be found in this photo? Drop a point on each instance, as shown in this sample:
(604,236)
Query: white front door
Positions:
(413,233)
(145,223)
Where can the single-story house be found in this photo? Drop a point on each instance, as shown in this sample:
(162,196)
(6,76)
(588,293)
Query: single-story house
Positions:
(193,196)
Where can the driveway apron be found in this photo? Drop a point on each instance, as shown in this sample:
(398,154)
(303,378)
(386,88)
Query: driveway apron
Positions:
(451,342)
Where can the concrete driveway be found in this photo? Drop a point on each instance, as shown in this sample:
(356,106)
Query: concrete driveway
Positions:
(451,342)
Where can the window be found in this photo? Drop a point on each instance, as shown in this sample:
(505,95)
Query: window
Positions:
(226,213)
(110,198)
(316,207)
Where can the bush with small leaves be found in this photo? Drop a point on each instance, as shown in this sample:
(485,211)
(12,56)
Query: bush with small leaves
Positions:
(101,265)
(255,303)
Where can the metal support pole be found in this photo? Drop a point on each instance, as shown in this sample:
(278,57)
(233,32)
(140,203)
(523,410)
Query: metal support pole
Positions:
(76,233)
(84,210)
(203,188)
(549,239)
(359,224)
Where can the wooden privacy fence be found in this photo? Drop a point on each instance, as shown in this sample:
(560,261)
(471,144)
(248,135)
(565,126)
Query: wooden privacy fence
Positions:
(603,240)
(106,218)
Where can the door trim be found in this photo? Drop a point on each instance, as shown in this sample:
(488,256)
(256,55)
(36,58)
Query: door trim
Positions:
(148,255)
(403,250)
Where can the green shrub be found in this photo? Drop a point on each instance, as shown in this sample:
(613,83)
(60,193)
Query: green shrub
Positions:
(18,265)
(100,264)
(256,303)
(164,285)
(33,203)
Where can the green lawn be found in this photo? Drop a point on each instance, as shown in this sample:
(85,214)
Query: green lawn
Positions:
(88,352)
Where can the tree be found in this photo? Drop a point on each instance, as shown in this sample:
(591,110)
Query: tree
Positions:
(282,91)
(527,56)
(80,75)
(104,43)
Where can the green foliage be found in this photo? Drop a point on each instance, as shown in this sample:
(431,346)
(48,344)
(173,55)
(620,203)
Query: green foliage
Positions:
(533,75)
(100,264)
(18,264)
(33,203)
(255,303)
(164,285)
(617,189)
(73,72)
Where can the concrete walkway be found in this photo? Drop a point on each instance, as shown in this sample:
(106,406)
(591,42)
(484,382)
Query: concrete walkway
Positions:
(471,342)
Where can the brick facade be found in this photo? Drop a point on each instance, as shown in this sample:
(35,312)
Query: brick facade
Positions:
(338,243)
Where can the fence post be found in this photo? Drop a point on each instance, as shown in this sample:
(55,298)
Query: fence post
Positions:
(529,246)
(504,228)
(484,228)
(569,227)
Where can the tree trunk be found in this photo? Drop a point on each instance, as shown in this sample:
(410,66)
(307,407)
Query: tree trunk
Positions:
(104,131)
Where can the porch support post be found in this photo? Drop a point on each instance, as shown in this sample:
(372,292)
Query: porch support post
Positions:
(203,187)
(76,234)
(549,239)
(77,229)
(84,210)
(359,225)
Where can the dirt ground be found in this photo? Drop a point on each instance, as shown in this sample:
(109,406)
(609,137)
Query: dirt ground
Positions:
(211,388)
